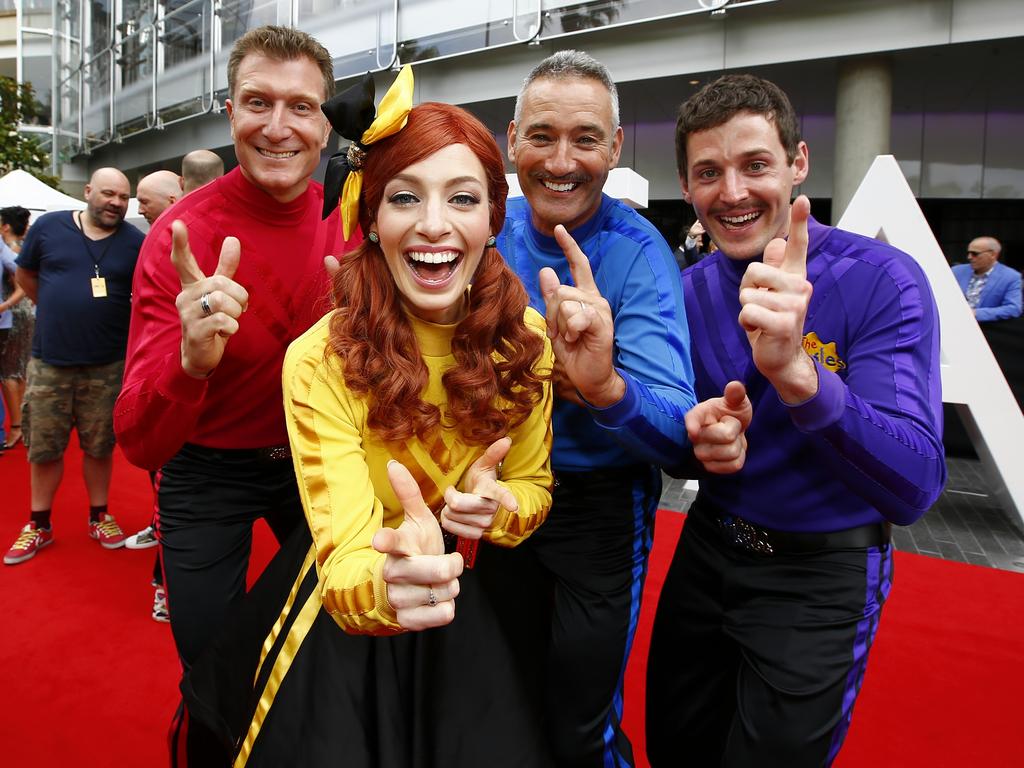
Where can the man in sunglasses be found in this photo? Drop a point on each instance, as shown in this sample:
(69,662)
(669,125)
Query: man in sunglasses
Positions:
(992,289)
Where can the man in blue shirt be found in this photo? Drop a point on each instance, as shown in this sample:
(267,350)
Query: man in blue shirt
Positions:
(623,382)
(992,289)
(77,266)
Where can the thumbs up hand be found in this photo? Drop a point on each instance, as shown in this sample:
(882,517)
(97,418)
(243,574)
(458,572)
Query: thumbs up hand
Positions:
(422,580)
(716,428)
(468,514)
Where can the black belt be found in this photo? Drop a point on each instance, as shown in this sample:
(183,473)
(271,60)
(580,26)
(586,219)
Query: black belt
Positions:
(750,537)
(274,453)
(270,453)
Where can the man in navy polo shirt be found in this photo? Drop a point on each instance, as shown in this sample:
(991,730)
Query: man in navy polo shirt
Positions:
(77,266)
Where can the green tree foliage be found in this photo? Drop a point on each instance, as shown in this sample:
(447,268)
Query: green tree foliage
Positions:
(20,150)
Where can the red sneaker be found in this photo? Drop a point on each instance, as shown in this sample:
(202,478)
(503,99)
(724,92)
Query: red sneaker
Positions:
(107,532)
(29,541)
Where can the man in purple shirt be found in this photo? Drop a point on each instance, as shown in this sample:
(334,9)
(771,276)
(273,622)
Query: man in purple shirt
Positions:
(772,601)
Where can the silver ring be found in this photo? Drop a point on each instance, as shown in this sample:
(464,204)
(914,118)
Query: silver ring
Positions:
(583,307)
(431,598)
(204,302)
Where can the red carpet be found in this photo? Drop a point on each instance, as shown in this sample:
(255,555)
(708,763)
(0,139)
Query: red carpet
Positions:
(90,680)
(943,684)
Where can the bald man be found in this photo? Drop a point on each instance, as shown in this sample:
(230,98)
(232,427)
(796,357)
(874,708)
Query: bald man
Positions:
(199,167)
(77,266)
(992,289)
(157,192)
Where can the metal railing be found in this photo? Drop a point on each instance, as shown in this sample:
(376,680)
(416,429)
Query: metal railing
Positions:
(123,67)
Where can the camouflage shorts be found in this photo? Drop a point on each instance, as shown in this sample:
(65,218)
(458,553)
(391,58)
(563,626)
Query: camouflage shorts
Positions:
(58,398)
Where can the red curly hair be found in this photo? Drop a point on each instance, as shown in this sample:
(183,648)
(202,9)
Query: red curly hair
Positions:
(495,352)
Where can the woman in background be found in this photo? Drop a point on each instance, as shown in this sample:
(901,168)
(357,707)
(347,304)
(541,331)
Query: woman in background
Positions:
(16,341)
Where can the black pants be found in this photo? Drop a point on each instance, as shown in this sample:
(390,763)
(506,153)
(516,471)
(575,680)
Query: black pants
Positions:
(757,660)
(208,501)
(595,544)
(158,566)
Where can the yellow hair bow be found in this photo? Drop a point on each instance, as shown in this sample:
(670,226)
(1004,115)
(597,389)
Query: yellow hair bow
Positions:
(351,114)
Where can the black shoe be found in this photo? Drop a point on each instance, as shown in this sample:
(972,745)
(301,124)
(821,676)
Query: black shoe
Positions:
(13,443)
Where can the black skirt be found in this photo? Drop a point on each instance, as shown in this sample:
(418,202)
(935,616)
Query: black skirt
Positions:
(468,694)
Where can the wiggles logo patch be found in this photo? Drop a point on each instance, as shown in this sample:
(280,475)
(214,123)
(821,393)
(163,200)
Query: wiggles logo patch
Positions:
(824,353)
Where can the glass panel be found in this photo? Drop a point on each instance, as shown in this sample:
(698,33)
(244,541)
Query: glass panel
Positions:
(183,79)
(34,13)
(135,14)
(37,69)
(100,14)
(133,107)
(68,148)
(45,140)
(527,20)
(952,151)
(183,30)
(388,35)
(96,101)
(69,55)
(69,30)
(27,6)
(360,37)
(1004,163)
(239,16)
(68,141)
(905,145)
(69,17)
(561,17)
(819,131)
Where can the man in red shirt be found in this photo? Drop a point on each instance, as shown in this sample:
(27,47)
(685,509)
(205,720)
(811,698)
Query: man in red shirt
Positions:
(201,402)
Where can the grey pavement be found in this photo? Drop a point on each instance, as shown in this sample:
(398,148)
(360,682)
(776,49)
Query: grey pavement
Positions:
(966,524)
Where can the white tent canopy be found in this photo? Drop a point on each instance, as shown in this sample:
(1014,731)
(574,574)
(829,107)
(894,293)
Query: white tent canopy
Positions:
(24,189)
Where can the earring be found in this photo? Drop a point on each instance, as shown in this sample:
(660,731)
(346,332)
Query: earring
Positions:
(373,237)
(491,241)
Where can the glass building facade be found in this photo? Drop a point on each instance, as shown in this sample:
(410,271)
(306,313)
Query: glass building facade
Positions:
(137,83)
(110,69)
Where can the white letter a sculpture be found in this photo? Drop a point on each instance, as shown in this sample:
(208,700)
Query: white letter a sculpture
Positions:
(884,207)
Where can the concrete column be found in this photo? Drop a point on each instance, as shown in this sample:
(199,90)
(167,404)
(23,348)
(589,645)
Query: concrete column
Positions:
(863,121)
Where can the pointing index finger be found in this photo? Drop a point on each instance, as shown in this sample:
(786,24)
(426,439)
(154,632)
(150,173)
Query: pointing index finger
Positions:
(579,264)
(181,255)
(795,259)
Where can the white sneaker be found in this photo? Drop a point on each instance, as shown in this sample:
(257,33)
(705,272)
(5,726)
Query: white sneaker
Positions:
(144,539)
(160,605)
